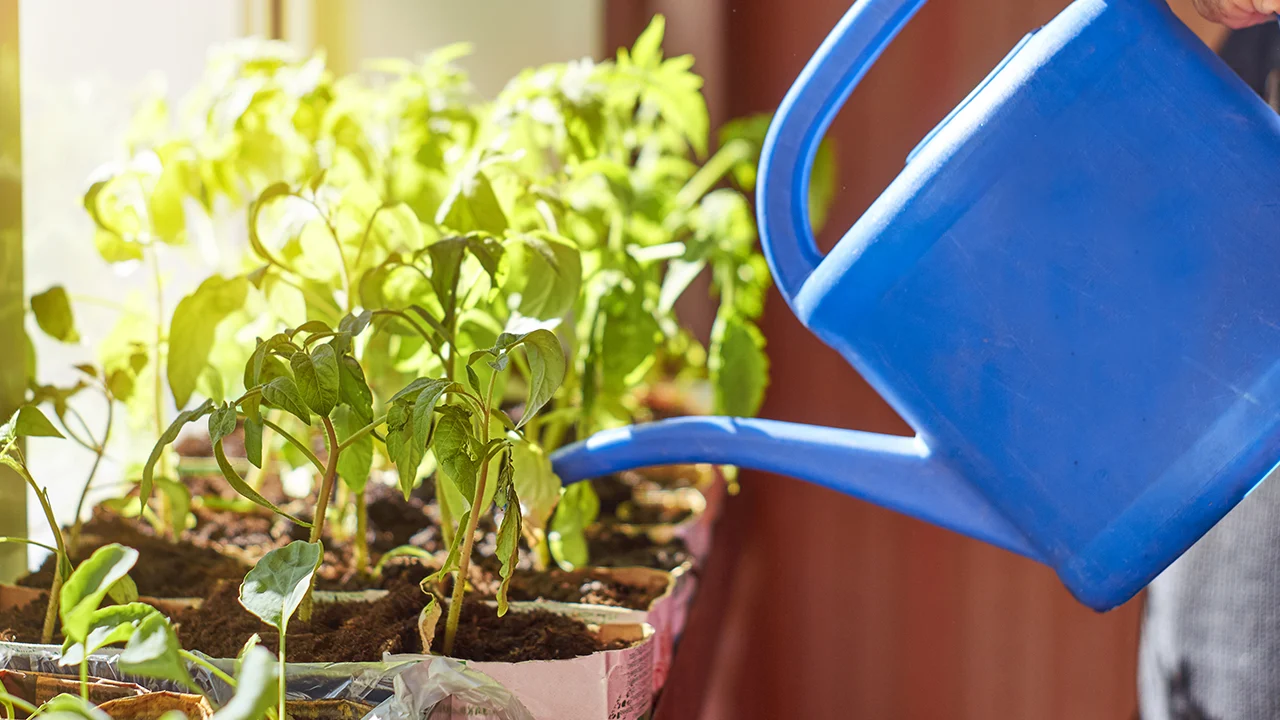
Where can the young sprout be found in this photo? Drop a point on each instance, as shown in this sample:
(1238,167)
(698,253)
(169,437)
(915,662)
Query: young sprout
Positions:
(28,421)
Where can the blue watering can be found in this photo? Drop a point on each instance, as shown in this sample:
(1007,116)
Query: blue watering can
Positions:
(1071,292)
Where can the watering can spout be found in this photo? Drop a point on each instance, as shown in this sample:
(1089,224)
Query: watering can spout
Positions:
(895,472)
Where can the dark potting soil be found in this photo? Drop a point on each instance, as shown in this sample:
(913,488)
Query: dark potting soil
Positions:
(164,570)
(24,623)
(609,547)
(576,586)
(585,586)
(617,493)
(364,631)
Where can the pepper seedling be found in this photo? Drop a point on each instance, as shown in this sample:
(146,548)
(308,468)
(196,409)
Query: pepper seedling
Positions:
(28,421)
(276,587)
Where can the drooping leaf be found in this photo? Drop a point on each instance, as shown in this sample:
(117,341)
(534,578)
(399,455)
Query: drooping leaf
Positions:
(84,591)
(739,367)
(404,452)
(257,687)
(545,276)
(283,393)
(222,422)
(194,327)
(508,551)
(579,506)
(170,434)
(245,489)
(152,652)
(446,268)
(275,587)
(546,370)
(52,309)
(316,375)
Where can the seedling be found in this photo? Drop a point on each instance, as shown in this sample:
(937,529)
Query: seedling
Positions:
(28,421)
(276,587)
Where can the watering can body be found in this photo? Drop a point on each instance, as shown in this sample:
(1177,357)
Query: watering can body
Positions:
(1070,292)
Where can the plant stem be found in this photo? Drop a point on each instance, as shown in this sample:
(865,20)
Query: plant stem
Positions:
(166,510)
(317,522)
(362,534)
(280,680)
(217,672)
(84,675)
(326,484)
(61,559)
(468,540)
(730,154)
(99,453)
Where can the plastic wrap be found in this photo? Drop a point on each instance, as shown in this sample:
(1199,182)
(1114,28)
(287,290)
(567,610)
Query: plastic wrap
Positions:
(439,688)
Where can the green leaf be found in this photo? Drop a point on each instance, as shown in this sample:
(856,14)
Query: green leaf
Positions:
(52,309)
(546,370)
(124,591)
(253,430)
(356,460)
(353,390)
(193,328)
(424,406)
(545,276)
(454,447)
(107,626)
(283,393)
(179,498)
(508,551)
(579,506)
(257,687)
(680,273)
(472,205)
(69,707)
(404,452)
(153,651)
(222,422)
(536,484)
(170,434)
(316,375)
(739,367)
(88,585)
(27,422)
(275,587)
(245,489)
(255,371)
(446,268)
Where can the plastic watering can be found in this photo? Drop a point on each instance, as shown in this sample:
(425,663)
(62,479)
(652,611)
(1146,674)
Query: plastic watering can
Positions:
(1071,292)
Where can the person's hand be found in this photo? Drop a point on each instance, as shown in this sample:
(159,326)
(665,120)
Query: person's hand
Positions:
(1238,13)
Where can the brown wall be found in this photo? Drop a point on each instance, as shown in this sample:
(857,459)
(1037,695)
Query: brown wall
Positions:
(838,609)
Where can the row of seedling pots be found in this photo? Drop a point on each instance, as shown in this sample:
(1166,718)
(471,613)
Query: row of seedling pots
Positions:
(619,682)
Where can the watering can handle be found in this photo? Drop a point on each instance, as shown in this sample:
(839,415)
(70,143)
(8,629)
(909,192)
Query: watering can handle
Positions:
(782,193)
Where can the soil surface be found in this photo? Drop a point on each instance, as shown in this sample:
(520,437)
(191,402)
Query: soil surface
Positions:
(364,631)
(634,497)
(608,547)
(164,570)
(23,623)
(587,586)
